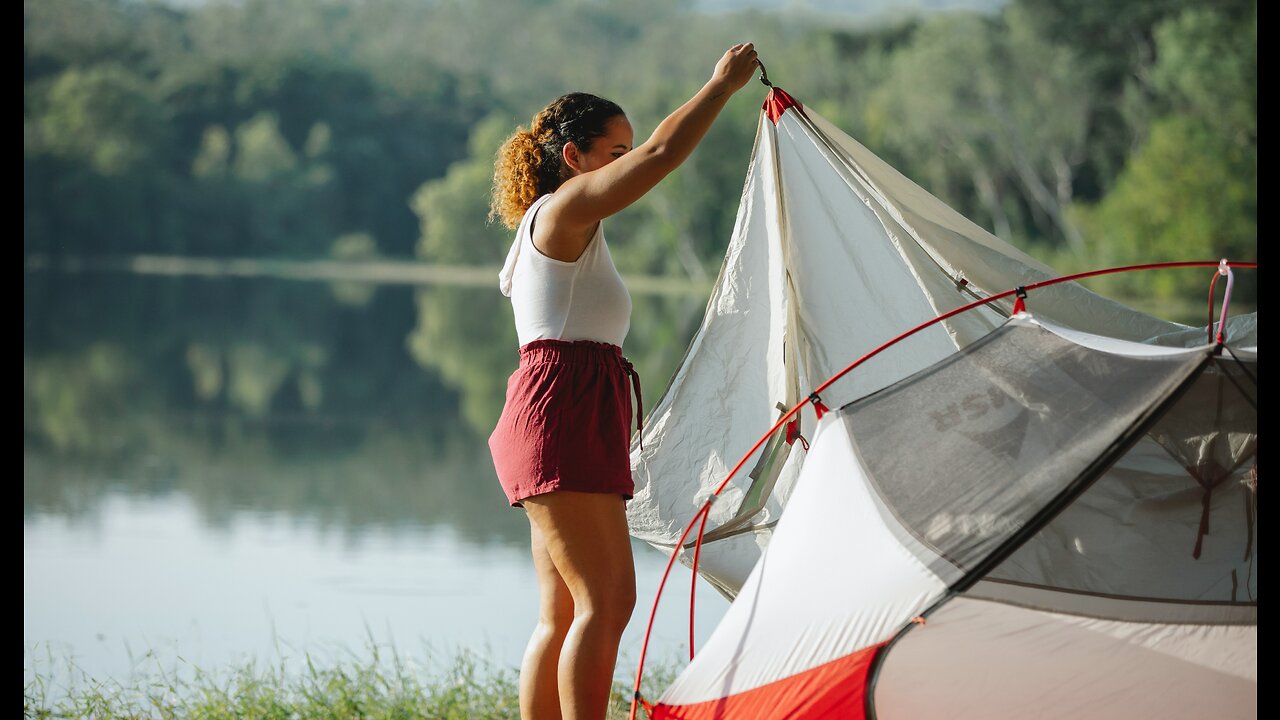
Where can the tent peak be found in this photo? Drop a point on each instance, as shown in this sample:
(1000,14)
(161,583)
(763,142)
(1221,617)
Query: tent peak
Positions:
(778,102)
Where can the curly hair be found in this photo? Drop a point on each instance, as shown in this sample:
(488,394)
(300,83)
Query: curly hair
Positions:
(529,164)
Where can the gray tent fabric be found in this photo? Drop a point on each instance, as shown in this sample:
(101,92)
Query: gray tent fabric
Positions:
(1153,528)
(977,444)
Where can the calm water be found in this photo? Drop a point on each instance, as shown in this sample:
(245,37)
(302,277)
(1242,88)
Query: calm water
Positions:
(223,469)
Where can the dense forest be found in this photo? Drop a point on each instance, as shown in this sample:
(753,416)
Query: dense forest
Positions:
(1088,133)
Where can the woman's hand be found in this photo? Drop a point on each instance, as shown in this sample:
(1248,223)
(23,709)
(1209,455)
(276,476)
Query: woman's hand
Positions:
(735,68)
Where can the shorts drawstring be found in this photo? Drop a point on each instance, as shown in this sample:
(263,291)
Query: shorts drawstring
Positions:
(635,383)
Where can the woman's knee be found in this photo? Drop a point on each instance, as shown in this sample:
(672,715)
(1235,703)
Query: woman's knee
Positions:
(611,599)
(557,613)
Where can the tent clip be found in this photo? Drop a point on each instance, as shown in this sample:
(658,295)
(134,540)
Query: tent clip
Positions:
(793,434)
(818,408)
(1020,305)
(637,698)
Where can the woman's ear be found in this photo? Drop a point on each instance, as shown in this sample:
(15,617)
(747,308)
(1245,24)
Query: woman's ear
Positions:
(572,159)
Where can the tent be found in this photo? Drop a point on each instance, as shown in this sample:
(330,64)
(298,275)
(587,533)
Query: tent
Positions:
(1064,501)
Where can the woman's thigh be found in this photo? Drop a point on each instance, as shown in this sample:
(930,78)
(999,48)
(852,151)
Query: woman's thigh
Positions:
(585,534)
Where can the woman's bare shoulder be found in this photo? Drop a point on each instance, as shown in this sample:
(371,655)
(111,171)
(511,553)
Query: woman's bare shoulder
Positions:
(555,238)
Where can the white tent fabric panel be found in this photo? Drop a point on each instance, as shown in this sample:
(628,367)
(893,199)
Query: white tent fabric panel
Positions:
(981,659)
(1119,346)
(724,391)
(860,278)
(859,584)
(732,557)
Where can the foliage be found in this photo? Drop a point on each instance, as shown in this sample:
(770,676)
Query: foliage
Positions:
(1190,191)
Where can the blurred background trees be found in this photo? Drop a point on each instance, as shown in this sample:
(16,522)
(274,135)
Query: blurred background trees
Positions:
(1087,133)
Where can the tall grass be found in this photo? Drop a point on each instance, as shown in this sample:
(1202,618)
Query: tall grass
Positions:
(383,686)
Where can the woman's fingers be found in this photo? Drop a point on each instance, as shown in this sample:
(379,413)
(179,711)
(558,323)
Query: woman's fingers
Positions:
(746,61)
(738,64)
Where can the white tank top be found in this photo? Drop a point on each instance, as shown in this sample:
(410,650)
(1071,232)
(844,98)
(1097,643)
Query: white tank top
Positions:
(580,300)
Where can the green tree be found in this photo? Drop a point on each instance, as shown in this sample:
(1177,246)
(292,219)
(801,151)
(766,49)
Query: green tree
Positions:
(1190,192)
(95,144)
(994,118)
(1208,69)
(106,117)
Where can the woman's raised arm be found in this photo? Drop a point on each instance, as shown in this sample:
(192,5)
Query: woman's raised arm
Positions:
(587,198)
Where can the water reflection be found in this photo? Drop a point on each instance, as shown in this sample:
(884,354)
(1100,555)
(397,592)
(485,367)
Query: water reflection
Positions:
(200,449)
(282,396)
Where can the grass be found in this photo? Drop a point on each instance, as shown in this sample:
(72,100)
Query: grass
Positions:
(384,686)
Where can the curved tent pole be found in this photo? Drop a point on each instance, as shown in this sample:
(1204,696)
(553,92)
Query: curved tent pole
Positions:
(1221,267)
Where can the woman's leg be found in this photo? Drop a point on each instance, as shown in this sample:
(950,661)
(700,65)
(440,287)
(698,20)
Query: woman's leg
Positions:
(585,535)
(539,689)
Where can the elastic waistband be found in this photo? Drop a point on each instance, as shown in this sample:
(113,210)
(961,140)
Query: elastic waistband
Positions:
(586,352)
(574,351)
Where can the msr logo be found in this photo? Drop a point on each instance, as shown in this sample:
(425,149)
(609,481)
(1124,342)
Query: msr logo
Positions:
(970,408)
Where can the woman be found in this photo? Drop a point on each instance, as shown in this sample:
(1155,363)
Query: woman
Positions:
(561,447)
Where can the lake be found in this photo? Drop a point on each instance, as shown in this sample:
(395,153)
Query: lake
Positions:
(218,469)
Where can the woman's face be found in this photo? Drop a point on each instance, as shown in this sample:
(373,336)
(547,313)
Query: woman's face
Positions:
(615,143)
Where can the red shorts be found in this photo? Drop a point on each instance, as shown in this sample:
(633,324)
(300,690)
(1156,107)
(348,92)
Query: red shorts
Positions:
(566,424)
